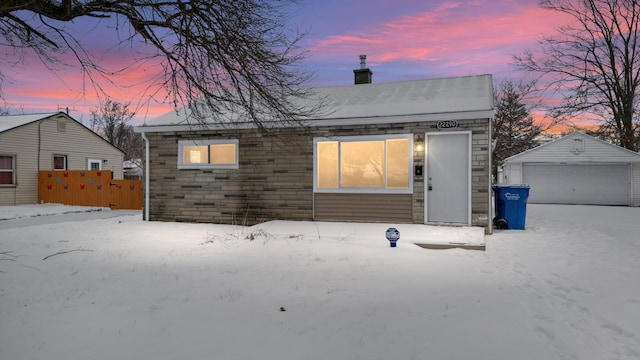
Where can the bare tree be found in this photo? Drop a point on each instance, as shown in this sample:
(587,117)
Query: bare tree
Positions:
(110,120)
(514,129)
(594,63)
(220,57)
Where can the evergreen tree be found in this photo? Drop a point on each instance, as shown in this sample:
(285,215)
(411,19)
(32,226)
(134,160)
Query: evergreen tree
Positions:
(514,130)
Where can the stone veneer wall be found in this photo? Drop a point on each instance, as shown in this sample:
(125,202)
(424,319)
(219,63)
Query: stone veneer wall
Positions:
(275,177)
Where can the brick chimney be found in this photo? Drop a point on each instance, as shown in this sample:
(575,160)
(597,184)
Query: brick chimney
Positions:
(362,75)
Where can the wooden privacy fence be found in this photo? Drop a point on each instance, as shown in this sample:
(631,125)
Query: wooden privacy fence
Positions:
(89,188)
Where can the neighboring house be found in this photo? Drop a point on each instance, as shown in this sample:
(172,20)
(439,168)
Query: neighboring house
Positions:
(403,152)
(132,169)
(53,141)
(577,169)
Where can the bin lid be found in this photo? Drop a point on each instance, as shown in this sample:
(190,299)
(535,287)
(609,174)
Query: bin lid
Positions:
(515,186)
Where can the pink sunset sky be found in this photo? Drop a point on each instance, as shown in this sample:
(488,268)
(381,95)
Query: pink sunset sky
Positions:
(403,40)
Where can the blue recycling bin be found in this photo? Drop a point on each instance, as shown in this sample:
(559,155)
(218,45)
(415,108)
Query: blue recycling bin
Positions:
(511,206)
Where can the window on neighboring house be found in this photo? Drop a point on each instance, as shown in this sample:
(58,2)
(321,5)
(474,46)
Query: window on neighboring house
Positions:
(59,162)
(7,170)
(358,164)
(95,164)
(202,154)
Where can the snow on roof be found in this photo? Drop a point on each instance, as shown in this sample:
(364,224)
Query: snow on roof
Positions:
(8,122)
(460,94)
(561,150)
(419,97)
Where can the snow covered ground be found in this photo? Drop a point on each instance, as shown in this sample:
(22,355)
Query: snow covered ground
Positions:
(568,287)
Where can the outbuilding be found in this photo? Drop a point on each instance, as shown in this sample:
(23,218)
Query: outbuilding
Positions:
(402,152)
(577,169)
(52,141)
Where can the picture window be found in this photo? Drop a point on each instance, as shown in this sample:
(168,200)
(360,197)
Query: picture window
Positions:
(356,164)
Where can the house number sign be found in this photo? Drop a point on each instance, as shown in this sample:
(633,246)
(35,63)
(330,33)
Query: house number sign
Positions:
(447,124)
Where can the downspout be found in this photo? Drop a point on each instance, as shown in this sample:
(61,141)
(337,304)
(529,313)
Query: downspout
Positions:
(146,176)
(38,170)
(39,142)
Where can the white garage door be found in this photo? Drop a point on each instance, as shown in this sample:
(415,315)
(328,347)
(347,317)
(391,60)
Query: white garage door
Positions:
(577,184)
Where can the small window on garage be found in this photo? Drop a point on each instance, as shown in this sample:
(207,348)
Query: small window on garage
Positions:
(208,154)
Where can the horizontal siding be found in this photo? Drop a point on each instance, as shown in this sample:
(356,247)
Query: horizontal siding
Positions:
(363,207)
(79,144)
(21,142)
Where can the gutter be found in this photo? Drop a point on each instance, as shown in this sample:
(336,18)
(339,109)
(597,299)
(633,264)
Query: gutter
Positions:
(359,120)
(146,176)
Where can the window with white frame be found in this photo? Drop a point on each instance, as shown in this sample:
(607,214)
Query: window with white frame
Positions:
(7,170)
(59,162)
(364,163)
(94,164)
(208,154)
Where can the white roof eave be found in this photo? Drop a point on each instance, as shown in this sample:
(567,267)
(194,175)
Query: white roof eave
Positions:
(466,115)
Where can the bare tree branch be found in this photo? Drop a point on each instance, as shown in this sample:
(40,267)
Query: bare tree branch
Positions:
(7,255)
(593,62)
(225,59)
(64,252)
(111,121)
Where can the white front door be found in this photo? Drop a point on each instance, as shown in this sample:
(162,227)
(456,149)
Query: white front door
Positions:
(448,178)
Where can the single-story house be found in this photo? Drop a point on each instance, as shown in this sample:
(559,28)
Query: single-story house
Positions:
(52,141)
(577,169)
(401,152)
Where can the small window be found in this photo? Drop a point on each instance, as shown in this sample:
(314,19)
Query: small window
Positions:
(212,154)
(95,164)
(62,126)
(7,170)
(59,162)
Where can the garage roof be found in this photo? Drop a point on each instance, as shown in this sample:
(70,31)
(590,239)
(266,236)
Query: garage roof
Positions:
(576,148)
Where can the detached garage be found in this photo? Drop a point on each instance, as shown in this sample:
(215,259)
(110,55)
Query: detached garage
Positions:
(577,169)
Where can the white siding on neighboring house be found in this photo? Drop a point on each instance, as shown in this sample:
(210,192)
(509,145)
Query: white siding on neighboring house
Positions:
(34,144)
(80,145)
(14,142)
